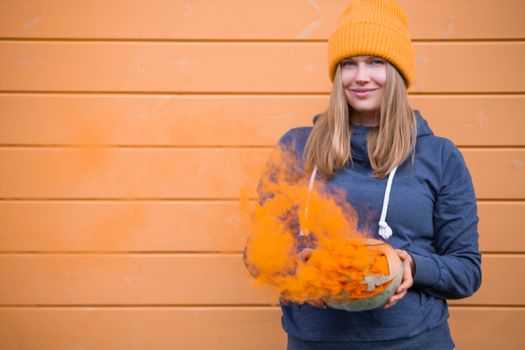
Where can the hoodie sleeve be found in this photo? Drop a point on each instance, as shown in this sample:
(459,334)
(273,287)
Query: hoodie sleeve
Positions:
(454,271)
(282,164)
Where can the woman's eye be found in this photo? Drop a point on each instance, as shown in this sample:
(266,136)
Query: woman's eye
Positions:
(348,63)
(378,62)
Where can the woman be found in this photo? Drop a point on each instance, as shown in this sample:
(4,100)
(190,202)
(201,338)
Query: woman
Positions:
(369,136)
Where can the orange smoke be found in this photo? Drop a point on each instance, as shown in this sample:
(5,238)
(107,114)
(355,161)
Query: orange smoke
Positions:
(339,258)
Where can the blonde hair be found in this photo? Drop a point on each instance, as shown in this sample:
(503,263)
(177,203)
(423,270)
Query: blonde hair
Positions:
(389,144)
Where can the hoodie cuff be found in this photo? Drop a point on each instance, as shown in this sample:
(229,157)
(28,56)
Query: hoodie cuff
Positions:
(427,271)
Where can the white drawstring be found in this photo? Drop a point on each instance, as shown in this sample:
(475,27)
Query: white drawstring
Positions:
(384,230)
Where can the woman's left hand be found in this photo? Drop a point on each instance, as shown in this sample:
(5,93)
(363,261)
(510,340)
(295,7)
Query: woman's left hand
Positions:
(406,282)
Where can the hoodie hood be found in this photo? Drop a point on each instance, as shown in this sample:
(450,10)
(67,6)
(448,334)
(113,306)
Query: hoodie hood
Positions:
(422,126)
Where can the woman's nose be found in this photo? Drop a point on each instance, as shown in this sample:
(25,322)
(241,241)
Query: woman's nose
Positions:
(362,73)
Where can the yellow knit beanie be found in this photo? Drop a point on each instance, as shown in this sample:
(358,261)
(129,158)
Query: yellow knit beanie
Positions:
(376,28)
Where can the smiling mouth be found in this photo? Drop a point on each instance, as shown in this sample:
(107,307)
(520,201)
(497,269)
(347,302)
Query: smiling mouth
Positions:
(363,90)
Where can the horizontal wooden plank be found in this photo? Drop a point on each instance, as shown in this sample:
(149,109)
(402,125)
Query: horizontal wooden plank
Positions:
(153,119)
(56,119)
(483,328)
(132,328)
(499,280)
(134,226)
(106,279)
(128,173)
(221,328)
(167,226)
(504,165)
(475,120)
(237,19)
(198,328)
(240,67)
(495,231)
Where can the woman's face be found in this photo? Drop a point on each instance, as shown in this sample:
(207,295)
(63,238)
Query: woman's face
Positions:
(363,80)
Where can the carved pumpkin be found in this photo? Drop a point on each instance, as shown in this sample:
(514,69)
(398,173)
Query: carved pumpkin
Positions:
(379,286)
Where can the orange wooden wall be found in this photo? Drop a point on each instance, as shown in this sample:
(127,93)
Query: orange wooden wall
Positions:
(127,129)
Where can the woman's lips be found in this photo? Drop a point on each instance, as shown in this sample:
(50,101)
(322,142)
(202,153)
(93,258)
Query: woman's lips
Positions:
(362,92)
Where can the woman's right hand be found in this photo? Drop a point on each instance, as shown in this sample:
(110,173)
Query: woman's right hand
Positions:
(304,255)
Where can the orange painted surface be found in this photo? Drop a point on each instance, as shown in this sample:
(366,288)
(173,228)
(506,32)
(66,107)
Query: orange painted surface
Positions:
(255,120)
(177,279)
(179,226)
(216,173)
(247,20)
(170,327)
(124,148)
(229,67)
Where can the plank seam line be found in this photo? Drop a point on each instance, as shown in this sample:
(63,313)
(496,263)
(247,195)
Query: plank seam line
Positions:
(205,147)
(126,199)
(230,253)
(217,306)
(133,305)
(141,146)
(182,253)
(186,199)
(464,40)
(191,147)
(200,200)
(249,93)
(243,94)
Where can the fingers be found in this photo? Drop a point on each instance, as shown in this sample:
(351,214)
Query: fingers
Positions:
(403,255)
(406,257)
(305,254)
(394,299)
(406,282)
